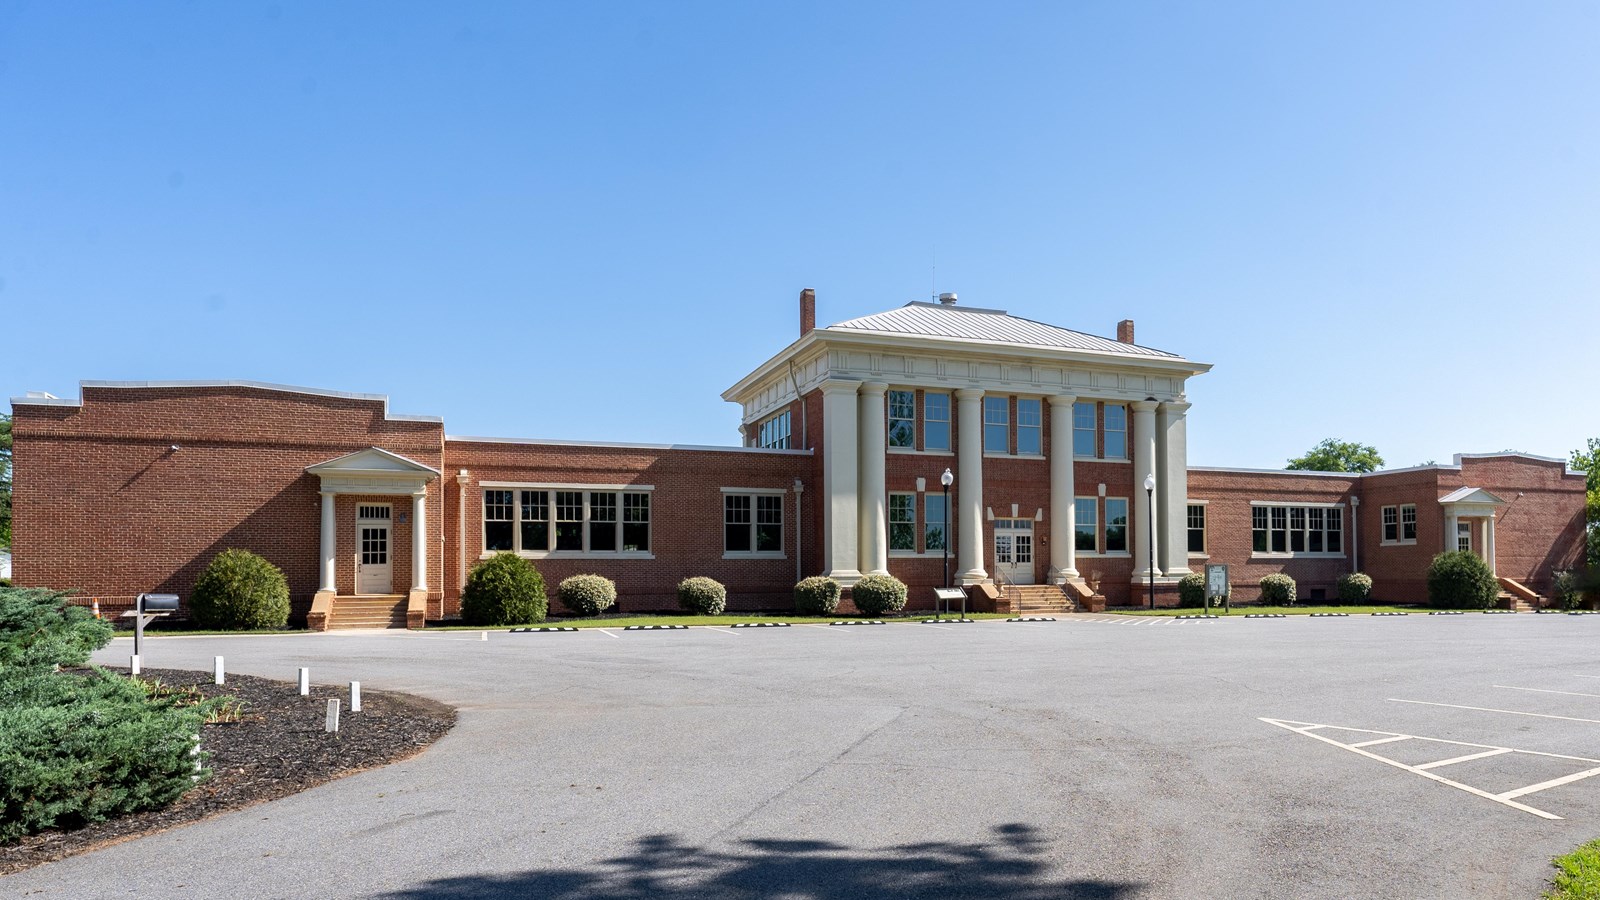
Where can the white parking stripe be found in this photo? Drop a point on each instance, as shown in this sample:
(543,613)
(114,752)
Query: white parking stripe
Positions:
(1554,782)
(1509,712)
(1387,740)
(608,633)
(828,628)
(1470,756)
(1545,691)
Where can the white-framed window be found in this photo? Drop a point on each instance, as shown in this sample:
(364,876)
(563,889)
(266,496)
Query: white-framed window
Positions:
(1116,431)
(903,522)
(1083,416)
(997,424)
(903,419)
(1030,426)
(1197,528)
(935,421)
(775,432)
(1296,530)
(1086,524)
(752,523)
(1400,524)
(1116,524)
(933,522)
(566,520)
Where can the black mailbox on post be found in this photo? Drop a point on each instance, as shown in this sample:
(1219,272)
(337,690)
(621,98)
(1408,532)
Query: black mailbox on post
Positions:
(154,603)
(146,608)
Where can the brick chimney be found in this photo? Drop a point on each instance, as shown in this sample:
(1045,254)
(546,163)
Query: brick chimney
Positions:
(808,311)
(1125,331)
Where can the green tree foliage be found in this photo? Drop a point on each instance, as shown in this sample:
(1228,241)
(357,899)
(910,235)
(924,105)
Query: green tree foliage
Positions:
(80,747)
(504,589)
(239,590)
(1461,579)
(1333,455)
(1587,461)
(5,480)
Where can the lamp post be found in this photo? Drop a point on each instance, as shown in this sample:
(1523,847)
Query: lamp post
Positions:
(1150,545)
(946,479)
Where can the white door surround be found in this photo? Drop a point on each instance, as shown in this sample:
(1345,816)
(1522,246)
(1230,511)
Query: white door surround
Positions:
(374,472)
(1013,550)
(1470,503)
(374,565)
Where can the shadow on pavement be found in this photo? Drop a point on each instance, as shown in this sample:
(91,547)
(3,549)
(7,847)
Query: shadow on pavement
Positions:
(1008,867)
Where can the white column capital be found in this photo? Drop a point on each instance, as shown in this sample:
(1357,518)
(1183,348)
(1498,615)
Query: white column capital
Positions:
(969,393)
(327,493)
(1175,408)
(1144,406)
(839,386)
(873,387)
(1059,400)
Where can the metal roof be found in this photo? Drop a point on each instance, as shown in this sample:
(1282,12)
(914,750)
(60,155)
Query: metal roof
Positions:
(989,326)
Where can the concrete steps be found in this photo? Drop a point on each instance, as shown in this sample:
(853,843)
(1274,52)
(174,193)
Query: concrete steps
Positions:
(1518,597)
(1032,599)
(368,611)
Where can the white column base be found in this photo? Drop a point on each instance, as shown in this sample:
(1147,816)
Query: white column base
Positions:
(846,577)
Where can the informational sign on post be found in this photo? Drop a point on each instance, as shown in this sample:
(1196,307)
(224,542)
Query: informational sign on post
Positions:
(948,594)
(1216,585)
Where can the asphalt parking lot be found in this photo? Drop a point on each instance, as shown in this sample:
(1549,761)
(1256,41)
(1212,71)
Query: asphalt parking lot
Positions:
(1104,757)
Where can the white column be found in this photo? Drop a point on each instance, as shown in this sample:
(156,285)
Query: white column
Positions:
(1488,544)
(873,498)
(1172,487)
(1452,540)
(1144,465)
(1063,539)
(419,541)
(969,486)
(839,514)
(330,544)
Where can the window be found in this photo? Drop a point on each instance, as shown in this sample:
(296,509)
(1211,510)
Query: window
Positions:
(752,523)
(902,419)
(1086,524)
(935,421)
(1030,427)
(775,432)
(497,518)
(1400,524)
(1294,530)
(1116,431)
(997,424)
(1197,528)
(933,522)
(903,522)
(585,521)
(1116,525)
(1083,429)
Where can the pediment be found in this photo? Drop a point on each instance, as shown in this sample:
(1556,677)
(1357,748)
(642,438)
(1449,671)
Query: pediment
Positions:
(1471,496)
(375,460)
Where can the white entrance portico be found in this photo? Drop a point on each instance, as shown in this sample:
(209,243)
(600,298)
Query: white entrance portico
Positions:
(1469,522)
(370,473)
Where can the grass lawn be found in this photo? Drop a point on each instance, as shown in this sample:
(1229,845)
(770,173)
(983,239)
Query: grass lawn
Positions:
(669,619)
(152,632)
(1578,874)
(1285,610)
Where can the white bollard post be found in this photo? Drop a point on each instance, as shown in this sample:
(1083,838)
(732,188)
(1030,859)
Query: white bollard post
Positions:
(355,696)
(305,682)
(218,676)
(332,724)
(485,636)
(133,664)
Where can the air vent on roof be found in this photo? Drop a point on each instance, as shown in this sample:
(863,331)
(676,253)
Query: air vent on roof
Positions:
(947,299)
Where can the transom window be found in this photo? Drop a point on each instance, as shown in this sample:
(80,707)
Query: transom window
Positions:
(1197,528)
(935,421)
(379,512)
(1083,430)
(902,419)
(1295,530)
(584,521)
(997,424)
(774,433)
(1400,524)
(1116,431)
(1030,426)
(752,523)
(903,522)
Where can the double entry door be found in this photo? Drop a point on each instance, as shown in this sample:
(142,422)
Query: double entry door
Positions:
(374,571)
(1013,550)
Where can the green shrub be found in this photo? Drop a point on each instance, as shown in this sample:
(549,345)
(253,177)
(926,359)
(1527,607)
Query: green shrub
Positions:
(41,629)
(875,595)
(5,582)
(1192,591)
(1567,590)
(1277,590)
(240,590)
(703,596)
(587,595)
(816,596)
(1354,587)
(504,589)
(1460,580)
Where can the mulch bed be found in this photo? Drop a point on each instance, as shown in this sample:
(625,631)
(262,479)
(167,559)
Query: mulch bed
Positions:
(279,747)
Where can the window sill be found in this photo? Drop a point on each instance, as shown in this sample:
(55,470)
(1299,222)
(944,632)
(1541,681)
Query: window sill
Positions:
(907,451)
(742,554)
(573,554)
(912,554)
(1397,543)
(1101,459)
(1114,554)
(988,455)
(1199,556)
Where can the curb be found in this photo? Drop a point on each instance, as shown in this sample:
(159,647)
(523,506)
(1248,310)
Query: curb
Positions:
(759,625)
(860,622)
(655,627)
(1029,619)
(1392,614)
(1197,617)
(1329,615)
(1455,612)
(1498,612)
(1266,615)
(538,630)
(1582,612)
(942,621)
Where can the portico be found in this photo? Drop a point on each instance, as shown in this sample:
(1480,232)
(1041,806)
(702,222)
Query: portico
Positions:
(1469,515)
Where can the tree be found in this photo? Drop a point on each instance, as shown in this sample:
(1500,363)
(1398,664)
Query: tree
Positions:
(1334,455)
(1587,461)
(5,480)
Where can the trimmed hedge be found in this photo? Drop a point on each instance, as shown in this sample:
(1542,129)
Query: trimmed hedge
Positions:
(875,595)
(587,595)
(817,596)
(240,590)
(504,589)
(1277,590)
(1354,587)
(702,595)
(1459,579)
(78,748)
(1192,591)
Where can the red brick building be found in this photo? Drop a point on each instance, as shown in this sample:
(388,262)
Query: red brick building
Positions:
(1066,454)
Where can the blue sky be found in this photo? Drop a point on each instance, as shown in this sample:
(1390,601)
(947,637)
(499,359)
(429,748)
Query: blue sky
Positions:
(1379,221)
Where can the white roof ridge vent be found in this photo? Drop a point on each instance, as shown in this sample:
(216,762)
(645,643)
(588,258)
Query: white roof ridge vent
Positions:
(947,299)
